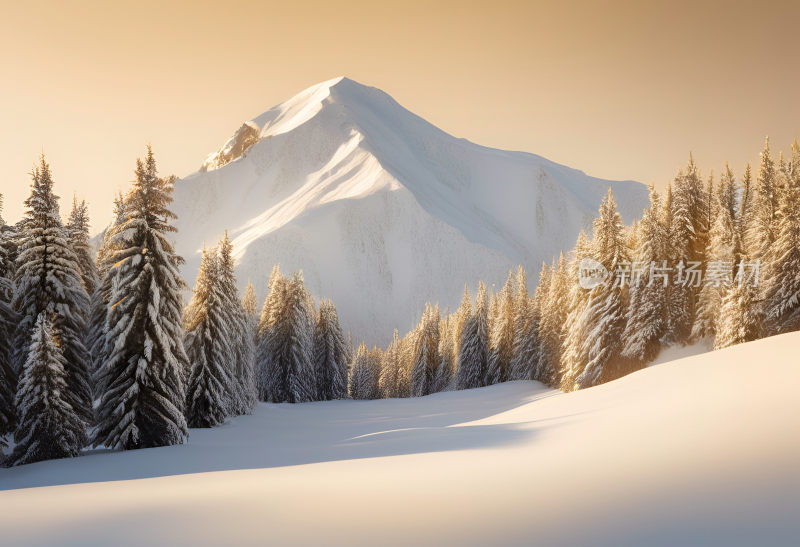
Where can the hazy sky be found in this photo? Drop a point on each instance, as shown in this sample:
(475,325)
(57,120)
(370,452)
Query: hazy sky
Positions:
(620,90)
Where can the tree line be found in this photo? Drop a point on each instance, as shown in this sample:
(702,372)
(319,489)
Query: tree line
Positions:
(98,349)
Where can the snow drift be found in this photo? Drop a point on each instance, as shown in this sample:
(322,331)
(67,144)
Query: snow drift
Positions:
(699,451)
(380,209)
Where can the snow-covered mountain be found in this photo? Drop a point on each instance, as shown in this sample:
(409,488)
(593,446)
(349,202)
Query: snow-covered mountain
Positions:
(380,209)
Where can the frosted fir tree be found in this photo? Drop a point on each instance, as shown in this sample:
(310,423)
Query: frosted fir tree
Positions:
(98,302)
(47,279)
(473,354)
(446,368)
(331,354)
(604,320)
(527,345)
(720,256)
(573,351)
(551,297)
(375,358)
(647,311)
(77,229)
(406,356)
(363,378)
(8,322)
(502,336)
(462,314)
(240,340)
(743,236)
(426,353)
(250,306)
(781,280)
(285,353)
(265,348)
(143,394)
(679,297)
(211,388)
(765,207)
(49,427)
(389,381)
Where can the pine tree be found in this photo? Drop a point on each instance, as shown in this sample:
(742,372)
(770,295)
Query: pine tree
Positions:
(211,381)
(48,280)
(426,353)
(677,223)
(389,381)
(285,351)
(604,319)
(265,347)
(330,354)
(446,368)
(250,306)
(364,377)
(552,297)
(765,207)
(573,352)
(720,257)
(240,340)
(143,394)
(8,321)
(49,427)
(646,320)
(77,230)
(502,336)
(98,303)
(473,355)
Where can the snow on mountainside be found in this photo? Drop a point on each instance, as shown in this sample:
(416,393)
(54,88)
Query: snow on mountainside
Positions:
(699,451)
(380,209)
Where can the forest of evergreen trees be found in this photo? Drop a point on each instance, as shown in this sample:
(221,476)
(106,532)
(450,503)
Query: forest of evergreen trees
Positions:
(97,349)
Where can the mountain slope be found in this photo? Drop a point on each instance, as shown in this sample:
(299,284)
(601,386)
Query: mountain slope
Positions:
(699,451)
(381,209)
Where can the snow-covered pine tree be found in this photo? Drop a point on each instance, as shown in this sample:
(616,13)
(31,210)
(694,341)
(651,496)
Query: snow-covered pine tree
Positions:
(330,354)
(363,378)
(677,223)
(98,302)
(765,207)
(389,381)
(738,319)
(143,394)
(244,396)
(211,387)
(444,372)
(527,345)
(647,309)
(720,257)
(77,229)
(473,354)
(573,349)
(426,353)
(49,427)
(462,314)
(285,352)
(744,215)
(250,306)
(551,296)
(604,320)
(406,353)
(48,279)
(265,348)
(502,336)
(8,321)
(781,280)
(375,359)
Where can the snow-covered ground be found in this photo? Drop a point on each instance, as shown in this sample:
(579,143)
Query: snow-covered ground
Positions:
(699,451)
(381,209)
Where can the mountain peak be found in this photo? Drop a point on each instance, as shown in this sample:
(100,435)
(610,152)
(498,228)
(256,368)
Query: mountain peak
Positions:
(289,115)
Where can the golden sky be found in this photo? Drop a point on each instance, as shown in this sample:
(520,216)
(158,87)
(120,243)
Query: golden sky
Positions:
(621,90)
